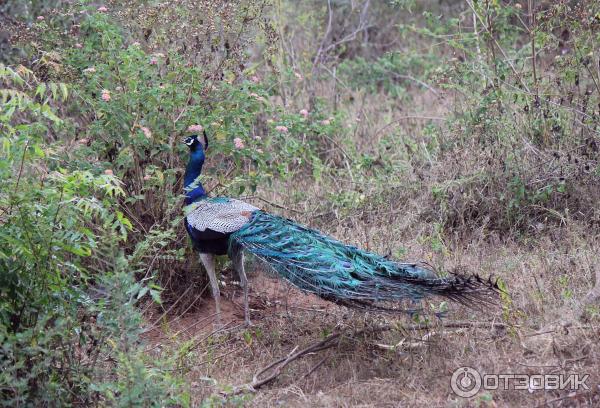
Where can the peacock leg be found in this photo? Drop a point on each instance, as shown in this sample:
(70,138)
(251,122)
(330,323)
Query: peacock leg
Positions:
(208,260)
(238,265)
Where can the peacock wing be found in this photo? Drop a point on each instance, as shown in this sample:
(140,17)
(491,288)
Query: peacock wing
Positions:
(220,214)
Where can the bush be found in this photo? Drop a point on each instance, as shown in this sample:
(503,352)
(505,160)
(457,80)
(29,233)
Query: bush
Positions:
(68,316)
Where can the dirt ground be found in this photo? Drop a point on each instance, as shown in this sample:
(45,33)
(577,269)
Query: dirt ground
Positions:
(382,360)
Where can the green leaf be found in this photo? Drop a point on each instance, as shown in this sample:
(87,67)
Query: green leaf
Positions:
(40,90)
(142,292)
(64,91)
(53,89)
(155,294)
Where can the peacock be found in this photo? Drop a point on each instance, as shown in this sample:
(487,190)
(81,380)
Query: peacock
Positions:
(308,259)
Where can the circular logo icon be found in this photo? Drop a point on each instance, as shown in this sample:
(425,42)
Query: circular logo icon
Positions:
(465,382)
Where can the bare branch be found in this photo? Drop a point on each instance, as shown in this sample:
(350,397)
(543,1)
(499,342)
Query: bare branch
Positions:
(327,31)
(276,367)
(362,26)
(512,67)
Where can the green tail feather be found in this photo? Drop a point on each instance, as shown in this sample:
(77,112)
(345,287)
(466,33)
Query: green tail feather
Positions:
(347,275)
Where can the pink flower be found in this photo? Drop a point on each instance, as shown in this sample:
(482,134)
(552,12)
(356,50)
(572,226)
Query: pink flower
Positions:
(325,122)
(102,9)
(255,79)
(105,95)
(195,128)
(146,132)
(147,177)
(281,129)
(239,143)
(108,172)
(78,45)
(84,141)
(40,18)
(304,113)
(254,94)
(155,57)
(297,75)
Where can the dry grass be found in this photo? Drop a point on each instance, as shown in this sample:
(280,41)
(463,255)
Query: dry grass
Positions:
(359,372)
(549,263)
(547,271)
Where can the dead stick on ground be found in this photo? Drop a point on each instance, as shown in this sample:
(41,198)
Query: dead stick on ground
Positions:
(315,367)
(457,325)
(276,367)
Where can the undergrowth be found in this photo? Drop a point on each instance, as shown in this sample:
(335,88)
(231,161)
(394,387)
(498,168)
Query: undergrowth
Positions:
(447,124)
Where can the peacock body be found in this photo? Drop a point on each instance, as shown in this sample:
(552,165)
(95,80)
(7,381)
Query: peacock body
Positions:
(308,259)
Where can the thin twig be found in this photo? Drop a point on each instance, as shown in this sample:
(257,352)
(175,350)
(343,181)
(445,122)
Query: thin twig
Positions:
(418,81)
(512,67)
(315,367)
(568,396)
(277,205)
(154,325)
(362,26)
(407,117)
(532,36)
(276,367)
(327,31)
(212,333)
(458,325)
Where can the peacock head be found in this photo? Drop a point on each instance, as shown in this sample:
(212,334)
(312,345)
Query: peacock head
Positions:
(194,143)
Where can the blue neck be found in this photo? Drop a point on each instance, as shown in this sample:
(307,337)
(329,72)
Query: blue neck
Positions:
(192,171)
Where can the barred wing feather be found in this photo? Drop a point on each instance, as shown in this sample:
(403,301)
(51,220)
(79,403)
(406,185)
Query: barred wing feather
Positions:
(220,214)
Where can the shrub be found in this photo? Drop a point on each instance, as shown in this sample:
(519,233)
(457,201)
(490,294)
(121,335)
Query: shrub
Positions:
(68,317)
